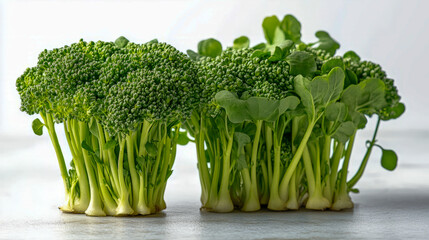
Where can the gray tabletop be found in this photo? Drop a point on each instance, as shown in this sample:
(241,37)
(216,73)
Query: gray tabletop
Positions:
(390,205)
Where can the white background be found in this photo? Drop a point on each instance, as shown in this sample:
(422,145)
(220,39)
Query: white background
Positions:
(392,33)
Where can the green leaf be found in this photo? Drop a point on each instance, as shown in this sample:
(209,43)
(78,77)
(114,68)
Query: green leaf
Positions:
(301,85)
(242,139)
(389,159)
(241,42)
(155,40)
(261,54)
(193,55)
(96,157)
(354,190)
(279,36)
(262,108)
(86,146)
(281,50)
(183,139)
(352,56)
(301,63)
(326,42)
(110,144)
(209,48)
(260,46)
(93,128)
(121,41)
(367,96)
(37,127)
(332,63)
(288,103)
(235,108)
(151,149)
(317,94)
(358,119)
(351,78)
(140,161)
(344,131)
(291,28)
(269,25)
(335,85)
(277,55)
(336,112)
(253,108)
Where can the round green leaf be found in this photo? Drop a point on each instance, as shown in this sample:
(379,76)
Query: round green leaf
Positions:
(241,42)
(121,42)
(352,55)
(389,159)
(37,127)
(210,48)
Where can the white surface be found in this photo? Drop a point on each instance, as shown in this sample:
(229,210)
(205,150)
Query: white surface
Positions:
(391,205)
(393,33)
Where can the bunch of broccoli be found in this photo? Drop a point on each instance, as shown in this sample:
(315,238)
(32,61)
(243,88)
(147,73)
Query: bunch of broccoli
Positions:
(121,105)
(277,122)
(274,124)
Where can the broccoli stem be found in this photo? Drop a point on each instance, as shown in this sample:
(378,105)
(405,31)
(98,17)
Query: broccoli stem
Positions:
(113,165)
(109,204)
(162,135)
(163,177)
(352,182)
(124,207)
(283,190)
(131,138)
(269,146)
(80,204)
(224,202)
(142,207)
(144,137)
(251,203)
(95,204)
(338,154)
(316,200)
(264,182)
(275,202)
(215,165)
(292,202)
(201,157)
(342,199)
(326,163)
(104,138)
(47,118)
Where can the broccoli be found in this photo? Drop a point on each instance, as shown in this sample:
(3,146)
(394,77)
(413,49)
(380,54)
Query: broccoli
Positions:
(274,124)
(121,105)
(277,122)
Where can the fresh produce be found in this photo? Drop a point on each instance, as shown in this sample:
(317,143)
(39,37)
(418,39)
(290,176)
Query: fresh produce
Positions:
(274,124)
(120,106)
(277,122)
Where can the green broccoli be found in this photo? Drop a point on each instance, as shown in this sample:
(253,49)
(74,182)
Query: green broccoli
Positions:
(121,105)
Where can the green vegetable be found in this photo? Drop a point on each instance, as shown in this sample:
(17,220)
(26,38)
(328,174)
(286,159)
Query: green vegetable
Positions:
(273,124)
(277,122)
(121,105)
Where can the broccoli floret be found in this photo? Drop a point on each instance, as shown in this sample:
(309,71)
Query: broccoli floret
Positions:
(240,72)
(367,69)
(155,84)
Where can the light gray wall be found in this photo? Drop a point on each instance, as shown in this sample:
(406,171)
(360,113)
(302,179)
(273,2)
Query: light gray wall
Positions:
(392,33)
